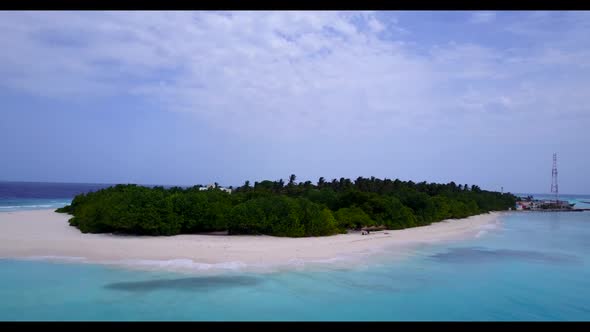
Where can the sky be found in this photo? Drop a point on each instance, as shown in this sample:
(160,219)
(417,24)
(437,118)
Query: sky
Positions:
(183,98)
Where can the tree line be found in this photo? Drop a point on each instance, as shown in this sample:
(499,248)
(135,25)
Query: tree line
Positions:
(280,209)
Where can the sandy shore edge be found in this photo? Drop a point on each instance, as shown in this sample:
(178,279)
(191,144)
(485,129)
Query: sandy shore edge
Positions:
(45,234)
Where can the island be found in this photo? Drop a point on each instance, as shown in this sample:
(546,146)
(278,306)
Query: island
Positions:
(279,209)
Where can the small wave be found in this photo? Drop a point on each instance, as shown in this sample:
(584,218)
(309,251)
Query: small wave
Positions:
(55,258)
(184,265)
(28,206)
(490,226)
(178,264)
(31,207)
(331,260)
(188,265)
(297,262)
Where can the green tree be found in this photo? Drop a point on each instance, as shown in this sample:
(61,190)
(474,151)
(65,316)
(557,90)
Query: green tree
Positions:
(292,178)
(352,218)
(302,210)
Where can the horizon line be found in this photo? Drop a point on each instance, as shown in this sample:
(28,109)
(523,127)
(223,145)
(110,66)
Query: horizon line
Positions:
(192,185)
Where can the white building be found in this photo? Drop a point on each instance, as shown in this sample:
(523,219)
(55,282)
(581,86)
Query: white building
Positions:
(207,187)
(211,186)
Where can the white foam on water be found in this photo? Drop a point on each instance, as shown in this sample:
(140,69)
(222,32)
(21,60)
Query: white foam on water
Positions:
(56,258)
(331,260)
(490,226)
(28,206)
(184,265)
(179,264)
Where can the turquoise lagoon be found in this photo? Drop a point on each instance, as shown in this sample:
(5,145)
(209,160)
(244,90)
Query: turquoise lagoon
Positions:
(533,266)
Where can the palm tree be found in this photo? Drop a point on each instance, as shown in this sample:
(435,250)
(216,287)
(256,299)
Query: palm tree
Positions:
(292,178)
(321,182)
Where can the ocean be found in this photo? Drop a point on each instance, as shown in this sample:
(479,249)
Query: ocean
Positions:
(19,196)
(534,266)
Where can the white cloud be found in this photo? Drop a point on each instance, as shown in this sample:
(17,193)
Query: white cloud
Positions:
(376,26)
(482,17)
(280,71)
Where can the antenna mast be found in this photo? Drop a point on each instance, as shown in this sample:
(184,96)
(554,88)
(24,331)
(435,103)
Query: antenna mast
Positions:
(554,189)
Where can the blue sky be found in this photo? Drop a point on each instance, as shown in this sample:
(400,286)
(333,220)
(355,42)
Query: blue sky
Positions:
(197,97)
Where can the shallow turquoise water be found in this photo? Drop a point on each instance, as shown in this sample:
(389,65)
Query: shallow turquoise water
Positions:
(535,266)
(19,196)
(26,204)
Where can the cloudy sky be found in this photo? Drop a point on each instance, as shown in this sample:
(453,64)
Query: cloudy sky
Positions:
(196,97)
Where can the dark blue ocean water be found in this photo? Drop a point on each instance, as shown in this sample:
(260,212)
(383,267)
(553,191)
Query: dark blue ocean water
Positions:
(532,266)
(18,196)
(15,196)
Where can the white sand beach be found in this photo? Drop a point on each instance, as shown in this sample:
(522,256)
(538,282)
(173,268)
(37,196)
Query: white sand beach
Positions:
(45,234)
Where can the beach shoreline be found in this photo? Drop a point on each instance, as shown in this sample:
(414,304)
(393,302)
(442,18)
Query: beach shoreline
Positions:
(47,235)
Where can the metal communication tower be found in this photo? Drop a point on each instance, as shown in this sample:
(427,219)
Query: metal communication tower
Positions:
(554,189)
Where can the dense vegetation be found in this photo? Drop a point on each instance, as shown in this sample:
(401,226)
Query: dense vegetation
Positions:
(276,208)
